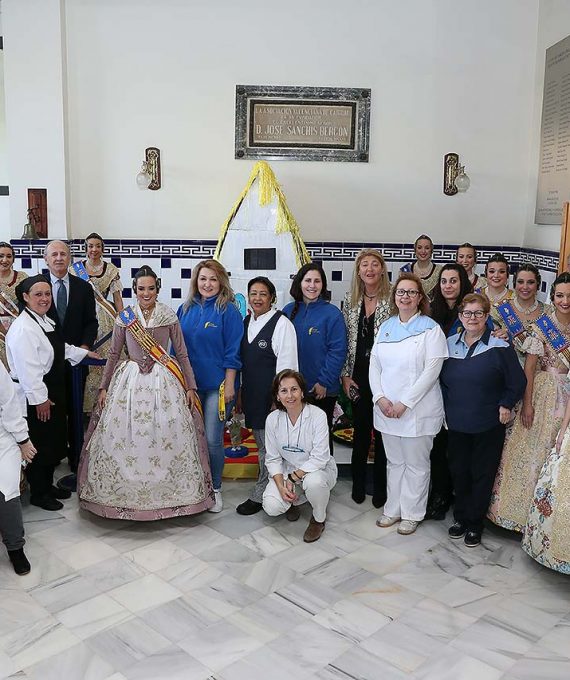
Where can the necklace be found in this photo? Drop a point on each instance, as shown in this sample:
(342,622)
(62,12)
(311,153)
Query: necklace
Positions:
(496,298)
(528,310)
(370,297)
(96,268)
(147,313)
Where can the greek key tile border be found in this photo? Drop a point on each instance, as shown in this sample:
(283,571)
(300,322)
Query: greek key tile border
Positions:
(324,251)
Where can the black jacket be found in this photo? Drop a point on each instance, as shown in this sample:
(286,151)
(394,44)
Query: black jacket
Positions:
(80,324)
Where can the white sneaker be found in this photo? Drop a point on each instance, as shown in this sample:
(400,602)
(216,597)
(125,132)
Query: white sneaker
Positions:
(386,521)
(219,504)
(407,527)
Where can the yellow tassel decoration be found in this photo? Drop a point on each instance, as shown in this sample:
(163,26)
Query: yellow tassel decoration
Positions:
(268,189)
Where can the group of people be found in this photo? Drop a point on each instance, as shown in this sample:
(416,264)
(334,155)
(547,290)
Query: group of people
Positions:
(442,344)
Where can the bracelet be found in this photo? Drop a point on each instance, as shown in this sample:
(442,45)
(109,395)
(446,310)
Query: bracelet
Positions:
(23,442)
(292,479)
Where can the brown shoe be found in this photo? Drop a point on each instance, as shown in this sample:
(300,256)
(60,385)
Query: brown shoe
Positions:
(313,531)
(293,513)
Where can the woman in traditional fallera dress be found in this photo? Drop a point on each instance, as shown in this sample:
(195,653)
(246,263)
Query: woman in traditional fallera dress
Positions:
(106,280)
(547,532)
(496,287)
(534,431)
(9,279)
(145,456)
(422,266)
(467,257)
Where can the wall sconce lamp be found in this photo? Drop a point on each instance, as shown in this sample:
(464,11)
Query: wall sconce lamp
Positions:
(149,176)
(454,177)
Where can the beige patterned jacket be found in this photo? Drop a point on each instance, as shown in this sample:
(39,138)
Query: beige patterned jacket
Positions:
(351,316)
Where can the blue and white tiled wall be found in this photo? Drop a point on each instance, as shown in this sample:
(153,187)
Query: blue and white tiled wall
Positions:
(173,261)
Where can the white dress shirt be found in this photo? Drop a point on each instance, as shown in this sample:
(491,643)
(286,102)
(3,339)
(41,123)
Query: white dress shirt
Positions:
(30,355)
(283,341)
(310,434)
(13,429)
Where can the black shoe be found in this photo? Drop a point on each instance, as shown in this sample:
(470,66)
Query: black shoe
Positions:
(68,483)
(437,508)
(46,502)
(293,513)
(19,561)
(248,507)
(358,493)
(60,494)
(472,539)
(457,530)
(379,499)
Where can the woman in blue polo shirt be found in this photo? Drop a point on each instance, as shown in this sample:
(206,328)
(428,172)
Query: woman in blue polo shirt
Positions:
(213,328)
(481,382)
(321,337)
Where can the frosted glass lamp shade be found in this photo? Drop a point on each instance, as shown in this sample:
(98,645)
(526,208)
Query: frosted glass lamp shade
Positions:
(462,181)
(143,180)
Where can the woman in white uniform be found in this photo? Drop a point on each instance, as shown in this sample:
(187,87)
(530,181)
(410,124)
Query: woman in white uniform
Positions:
(15,447)
(297,456)
(36,357)
(404,369)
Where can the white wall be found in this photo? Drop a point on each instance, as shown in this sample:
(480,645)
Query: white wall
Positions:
(445,76)
(553,26)
(35,108)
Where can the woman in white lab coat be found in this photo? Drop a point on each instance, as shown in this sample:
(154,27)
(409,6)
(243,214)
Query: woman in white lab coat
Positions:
(405,363)
(36,354)
(15,447)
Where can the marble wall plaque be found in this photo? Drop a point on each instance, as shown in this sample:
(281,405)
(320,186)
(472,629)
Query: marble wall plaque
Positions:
(302,123)
(554,164)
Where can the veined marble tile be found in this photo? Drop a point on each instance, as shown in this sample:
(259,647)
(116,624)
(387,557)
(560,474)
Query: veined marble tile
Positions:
(228,556)
(219,645)
(305,557)
(156,556)
(339,513)
(419,578)
(112,573)
(92,616)
(77,663)
(377,559)
(359,664)
(36,642)
(495,577)
(523,619)
(387,597)
(557,639)
(402,646)
(7,668)
(453,665)
(253,627)
(127,643)
(37,520)
(459,592)
(309,596)
(144,593)
(68,535)
(178,618)
(339,542)
(351,620)
(342,575)
(364,526)
(312,644)
(276,613)
(267,575)
(200,539)
(412,546)
(86,553)
(64,592)
(46,568)
(17,609)
(133,535)
(190,574)
(550,597)
(234,525)
(495,645)
(266,663)
(171,663)
(436,620)
(543,664)
(267,541)
(222,597)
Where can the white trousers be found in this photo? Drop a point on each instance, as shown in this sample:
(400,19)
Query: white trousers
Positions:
(408,473)
(316,489)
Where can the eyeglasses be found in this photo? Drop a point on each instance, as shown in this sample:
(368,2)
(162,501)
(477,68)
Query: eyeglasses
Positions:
(401,292)
(478,314)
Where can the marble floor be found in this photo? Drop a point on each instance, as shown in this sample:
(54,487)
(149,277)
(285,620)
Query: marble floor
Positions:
(224,597)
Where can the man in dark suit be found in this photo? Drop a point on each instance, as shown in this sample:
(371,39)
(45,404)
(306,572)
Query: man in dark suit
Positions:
(73,310)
